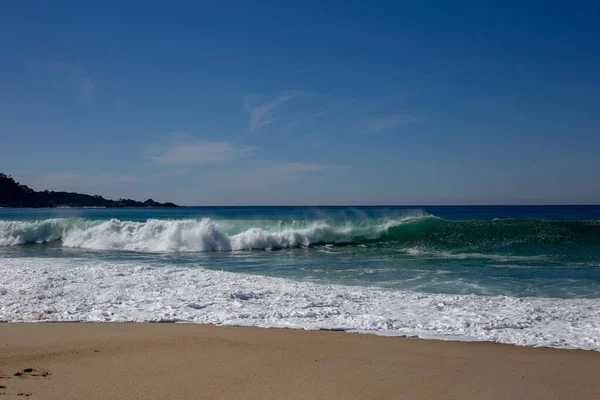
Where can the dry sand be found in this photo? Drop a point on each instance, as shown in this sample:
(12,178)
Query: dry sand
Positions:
(177,361)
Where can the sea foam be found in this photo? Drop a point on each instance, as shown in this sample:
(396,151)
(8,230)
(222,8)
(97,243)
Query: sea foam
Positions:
(188,235)
(81,290)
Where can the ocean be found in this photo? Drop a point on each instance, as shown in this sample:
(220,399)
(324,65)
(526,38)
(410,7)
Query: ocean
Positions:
(526,275)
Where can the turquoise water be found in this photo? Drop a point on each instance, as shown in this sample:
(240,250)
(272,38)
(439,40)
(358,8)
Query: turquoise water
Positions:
(523,275)
(516,251)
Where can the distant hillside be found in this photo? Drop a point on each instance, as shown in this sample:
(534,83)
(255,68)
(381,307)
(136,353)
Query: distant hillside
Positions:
(14,194)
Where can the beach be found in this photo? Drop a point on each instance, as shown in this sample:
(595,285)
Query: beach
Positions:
(254,200)
(188,361)
(526,276)
(300,303)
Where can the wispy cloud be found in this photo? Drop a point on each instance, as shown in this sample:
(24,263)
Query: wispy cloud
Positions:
(181,151)
(200,153)
(260,112)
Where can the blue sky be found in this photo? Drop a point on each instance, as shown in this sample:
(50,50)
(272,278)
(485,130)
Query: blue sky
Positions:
(237,103)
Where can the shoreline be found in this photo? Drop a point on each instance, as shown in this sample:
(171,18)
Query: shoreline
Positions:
(170,360)
(453,339)
(41,288)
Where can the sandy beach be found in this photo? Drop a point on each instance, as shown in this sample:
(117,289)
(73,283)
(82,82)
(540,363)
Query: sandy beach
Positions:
(179,361)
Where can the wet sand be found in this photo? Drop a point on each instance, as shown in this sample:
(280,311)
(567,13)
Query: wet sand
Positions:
(179,361)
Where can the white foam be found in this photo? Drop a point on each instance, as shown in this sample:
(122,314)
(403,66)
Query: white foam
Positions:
(188,235)
(76,290)
(13,233)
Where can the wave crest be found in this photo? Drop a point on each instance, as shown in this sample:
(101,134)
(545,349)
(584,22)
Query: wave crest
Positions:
(423,232)
(183,235)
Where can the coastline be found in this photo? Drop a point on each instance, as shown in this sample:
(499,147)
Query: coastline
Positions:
(154,360)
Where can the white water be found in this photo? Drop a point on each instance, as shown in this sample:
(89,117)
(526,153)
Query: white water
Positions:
(176,235)
(76,290)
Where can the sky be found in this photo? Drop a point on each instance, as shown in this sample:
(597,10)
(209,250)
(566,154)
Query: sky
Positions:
(304,103)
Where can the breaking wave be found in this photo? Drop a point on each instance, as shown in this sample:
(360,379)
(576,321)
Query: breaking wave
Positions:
(420,231)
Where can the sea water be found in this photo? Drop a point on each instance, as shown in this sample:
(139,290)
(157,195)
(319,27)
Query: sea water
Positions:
(523,275)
